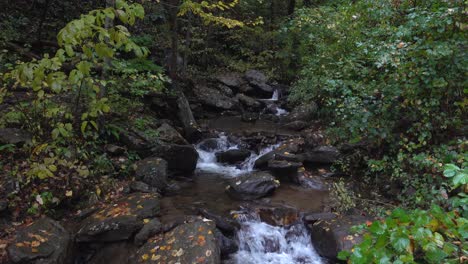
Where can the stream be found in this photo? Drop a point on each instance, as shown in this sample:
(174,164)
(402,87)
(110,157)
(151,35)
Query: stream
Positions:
(259,242)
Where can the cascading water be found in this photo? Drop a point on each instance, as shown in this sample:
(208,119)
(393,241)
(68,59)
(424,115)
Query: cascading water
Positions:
(262,243)
(274,98)
(259,242)
(207,159)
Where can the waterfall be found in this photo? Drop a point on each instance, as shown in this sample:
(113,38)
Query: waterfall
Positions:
(263,243)
(207,159)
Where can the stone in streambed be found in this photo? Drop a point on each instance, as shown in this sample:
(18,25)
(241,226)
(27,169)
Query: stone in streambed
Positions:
(169,134)
(232,156)
(251,186)
(193,242)
(334,235)
(152,171)
(119,221)
(43,242)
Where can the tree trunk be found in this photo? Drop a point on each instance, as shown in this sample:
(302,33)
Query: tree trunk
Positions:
(291,7)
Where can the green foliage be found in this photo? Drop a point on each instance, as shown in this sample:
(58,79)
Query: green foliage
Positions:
(85,43)
(417,236)
(430,236)
(389,73)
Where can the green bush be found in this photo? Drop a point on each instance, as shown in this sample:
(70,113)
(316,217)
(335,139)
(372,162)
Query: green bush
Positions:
(391,74)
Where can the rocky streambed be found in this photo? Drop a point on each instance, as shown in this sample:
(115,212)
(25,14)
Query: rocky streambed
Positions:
(253,189)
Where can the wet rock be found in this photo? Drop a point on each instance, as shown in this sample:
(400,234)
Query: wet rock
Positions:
(150,229)
(110,253)
(226,225)
(119,221)
(286,149)
(225,90)
(304,112)
(135,142)
(251,186)
(169,134)
(277,214)
(152,171)
(313,138)
(114,150)
(193,242)
(231,79)
(296,125)
(43,242)
(283,169)
(232,156)
(226,245)
(258,80)
(314,217)
(180,158)
(214,98)
(138,186)
(322,155)
(332,236)
(209,144)
(14,136)
(309,180)
(248,101)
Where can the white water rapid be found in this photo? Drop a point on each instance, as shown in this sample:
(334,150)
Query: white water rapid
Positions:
(207,159)
(260,243)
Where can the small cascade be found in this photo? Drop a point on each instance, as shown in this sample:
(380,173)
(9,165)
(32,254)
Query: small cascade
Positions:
(260,242)
(275,96)
(207,159)
(272,104)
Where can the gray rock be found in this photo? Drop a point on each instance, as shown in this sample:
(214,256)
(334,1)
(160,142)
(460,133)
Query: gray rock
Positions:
(255,76)
(251,186)
(231,79)
(227,245)
(277,214)
(119,221)
(232,156)
(304,112)
(138,186)
(314,217)
(152,171)
(226,225)
(153,227)
(3,206)
(296,125)
(169,134)
(248,101)
(209,144)
(114,150)
(214,98)
(43,242)
(180,158)
(14,136)
(334,235)
(225,90)
(193,242)
(283,169)
(322,155)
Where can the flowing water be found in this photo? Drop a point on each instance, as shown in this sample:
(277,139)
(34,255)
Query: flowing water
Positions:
(261,243)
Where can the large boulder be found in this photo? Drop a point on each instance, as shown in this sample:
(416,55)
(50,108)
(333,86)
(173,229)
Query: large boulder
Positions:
(169,134)
(43,242)
(248,101)
(14,136)
(251,186)
(153,227)
(180,158)
(283,169)
(304,112)
(193,242)
(225,224)
(322,155)
(119,221)
(277,214)
(309,180)
(334,235)
(209,144)
(227,245)
(135,142)
(258,80)
(232,156)
(231,79)
(214,98)
(152,171)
